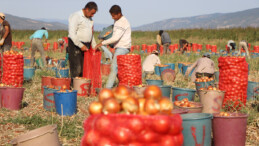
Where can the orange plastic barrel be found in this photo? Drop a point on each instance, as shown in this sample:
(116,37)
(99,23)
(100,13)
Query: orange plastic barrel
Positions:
(45,81)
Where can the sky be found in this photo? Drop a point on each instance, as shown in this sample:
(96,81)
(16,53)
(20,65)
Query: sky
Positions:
(138,12)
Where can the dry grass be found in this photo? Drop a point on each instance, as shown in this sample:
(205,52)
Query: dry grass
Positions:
(33,115)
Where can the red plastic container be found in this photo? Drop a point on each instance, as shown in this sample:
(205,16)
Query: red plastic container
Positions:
(45,81)
(208,47)
(214,48)
(55,46)
(59,83)
(144,47)
(229,131)
(137,47)
(12,97)
(105,69)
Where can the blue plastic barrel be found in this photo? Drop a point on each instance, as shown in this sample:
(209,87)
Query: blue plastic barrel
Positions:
(197,129)
(181,93)
(48,99)
(166,90)
(155,82)
(157,71)
(180,65)
(185,67)
(161,69)
(172,65)
(252,90)
(62,73)
(62,63)
(28,73)
(66,102)
(27,62)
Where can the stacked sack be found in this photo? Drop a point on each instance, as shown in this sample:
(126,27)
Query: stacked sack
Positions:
(233,79)
(13,68)
(129,70)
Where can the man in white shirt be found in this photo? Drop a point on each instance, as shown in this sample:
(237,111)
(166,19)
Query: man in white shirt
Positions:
(80,33)
(231,46)
(121,39)
(149,63)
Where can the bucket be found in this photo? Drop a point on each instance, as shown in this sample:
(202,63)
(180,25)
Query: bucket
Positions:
(157,71)
(179,111)
(45,81)
(62,63)
(180,65)
(139,90)
(181,93)
(166,90)
(105,69)
(197,129)
(59,83)
(185,67)
(155,82)
(39,62)
(28,73)
(199,85)
(48,99)
(212,100)
(231,130)
(62,73)
(44,136)
(216,74)
(172,65)
(252,90)
(161,69)
(197,109)
(27,61)
(82,86)
(66,102)
(12,98)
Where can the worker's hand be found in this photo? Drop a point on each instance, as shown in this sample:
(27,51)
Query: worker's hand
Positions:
(1,41)
(84,48)
(97,46)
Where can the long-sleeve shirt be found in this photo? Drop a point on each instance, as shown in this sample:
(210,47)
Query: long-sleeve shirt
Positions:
(165,38)
(39,34)
(121,37)
(158,39)
(202,65)
(150,62)
(80,29)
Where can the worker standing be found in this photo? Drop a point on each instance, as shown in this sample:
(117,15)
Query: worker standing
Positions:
(203,67)
(5,34)
(166,41)
(121,38)
(80,37)
(36,38)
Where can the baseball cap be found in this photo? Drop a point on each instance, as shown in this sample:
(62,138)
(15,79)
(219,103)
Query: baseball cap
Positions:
(2,15)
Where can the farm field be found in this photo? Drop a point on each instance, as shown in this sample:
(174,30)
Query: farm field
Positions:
(70,129)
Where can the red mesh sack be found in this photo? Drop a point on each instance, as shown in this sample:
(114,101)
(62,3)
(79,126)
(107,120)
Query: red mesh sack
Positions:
(92,68)
(129,70)
(120,129)
(12,69)
(233,79)
(0,67)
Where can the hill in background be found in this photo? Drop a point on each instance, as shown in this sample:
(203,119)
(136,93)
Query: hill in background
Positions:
(247,18)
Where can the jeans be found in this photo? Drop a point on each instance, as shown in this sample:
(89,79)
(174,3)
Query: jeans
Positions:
(114,66)
(243,45)
(37,45)
(107,52)
(166,48)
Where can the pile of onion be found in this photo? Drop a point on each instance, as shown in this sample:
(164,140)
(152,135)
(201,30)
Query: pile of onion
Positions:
(125,100)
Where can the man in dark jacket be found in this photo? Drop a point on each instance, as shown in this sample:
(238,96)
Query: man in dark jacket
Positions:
(166,41)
